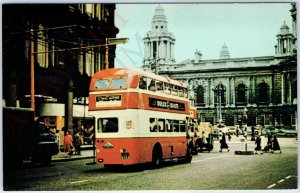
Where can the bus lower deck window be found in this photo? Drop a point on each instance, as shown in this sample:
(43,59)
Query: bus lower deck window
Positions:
(108,125)
(161,123)
(153,125)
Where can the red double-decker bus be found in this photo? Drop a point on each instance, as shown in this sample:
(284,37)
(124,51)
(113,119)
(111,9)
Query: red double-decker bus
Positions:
(140,117)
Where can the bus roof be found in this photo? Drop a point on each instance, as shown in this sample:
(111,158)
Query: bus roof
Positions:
(130,73)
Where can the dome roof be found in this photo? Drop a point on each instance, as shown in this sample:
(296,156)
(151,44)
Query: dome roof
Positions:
(284,29)
(159,10)
(159,14)
(224,54)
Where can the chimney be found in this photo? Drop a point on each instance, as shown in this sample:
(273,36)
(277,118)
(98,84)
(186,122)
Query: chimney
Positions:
(198,56)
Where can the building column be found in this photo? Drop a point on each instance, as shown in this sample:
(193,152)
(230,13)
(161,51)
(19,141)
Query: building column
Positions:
(251,90)
(290,89)
(206,100)
(233,92)
(271,94)
(212,98)
(229,92)
(159,49)
(191,87)
(145,49)
(172,50)
(254,91)
(151,50)
(283,88)
(248,92)
(207,91)
(168,50)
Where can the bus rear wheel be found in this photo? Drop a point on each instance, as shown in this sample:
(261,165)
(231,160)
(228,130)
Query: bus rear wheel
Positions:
(189,153)
(157,157)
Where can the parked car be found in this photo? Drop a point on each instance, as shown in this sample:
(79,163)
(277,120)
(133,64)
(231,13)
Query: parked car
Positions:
(287,133)
(232,130)
(257,130)
(221,128)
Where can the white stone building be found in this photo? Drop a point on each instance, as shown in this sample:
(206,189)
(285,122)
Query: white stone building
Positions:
(264,86)
(159,42)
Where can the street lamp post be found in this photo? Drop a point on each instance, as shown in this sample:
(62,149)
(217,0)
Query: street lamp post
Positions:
(218,91)
(32,90)
(69,103)
(245,116)
(110,42)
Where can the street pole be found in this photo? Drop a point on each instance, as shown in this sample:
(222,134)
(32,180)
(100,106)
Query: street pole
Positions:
(220,111)
(217,91)
(109,42)
(69,106)
(32,94)
(106,57)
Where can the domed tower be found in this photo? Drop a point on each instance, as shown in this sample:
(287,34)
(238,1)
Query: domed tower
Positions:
(159,42)
(285,39)
(224,54)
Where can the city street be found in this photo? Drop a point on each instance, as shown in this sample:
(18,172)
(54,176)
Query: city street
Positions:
(208,171)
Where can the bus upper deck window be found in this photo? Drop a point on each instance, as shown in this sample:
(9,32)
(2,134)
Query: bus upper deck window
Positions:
(167,88)
(180,91)
(118,83)
(159,86)
(102,84)
(152,86)
(185,91)
(143,83)
(175,90)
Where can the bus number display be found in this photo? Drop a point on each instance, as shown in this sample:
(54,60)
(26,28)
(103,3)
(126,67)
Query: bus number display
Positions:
(165,104)
(108,101)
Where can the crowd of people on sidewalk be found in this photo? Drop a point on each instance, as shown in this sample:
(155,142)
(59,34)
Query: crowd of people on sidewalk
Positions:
(72,143)
(271,146)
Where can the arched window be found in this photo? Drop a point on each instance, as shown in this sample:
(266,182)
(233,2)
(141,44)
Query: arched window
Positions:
(200,96)
(263,93)
(240,94)
(220,94)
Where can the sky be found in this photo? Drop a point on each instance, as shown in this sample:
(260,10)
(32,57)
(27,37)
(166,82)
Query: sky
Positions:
(248,29)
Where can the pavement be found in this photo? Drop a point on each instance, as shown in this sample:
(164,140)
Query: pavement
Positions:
(87,152)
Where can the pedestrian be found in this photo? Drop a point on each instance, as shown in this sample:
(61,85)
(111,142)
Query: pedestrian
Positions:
(203,141)
(237,132)
(57,139)
(77,144)
(269,147)
(223,144)
(275,144)
(245,133)
(68,143)
(258,144)
(229,136)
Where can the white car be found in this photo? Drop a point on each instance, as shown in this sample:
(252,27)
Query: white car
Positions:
(232,130)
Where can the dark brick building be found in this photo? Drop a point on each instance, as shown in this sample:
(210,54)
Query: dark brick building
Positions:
(55,30)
